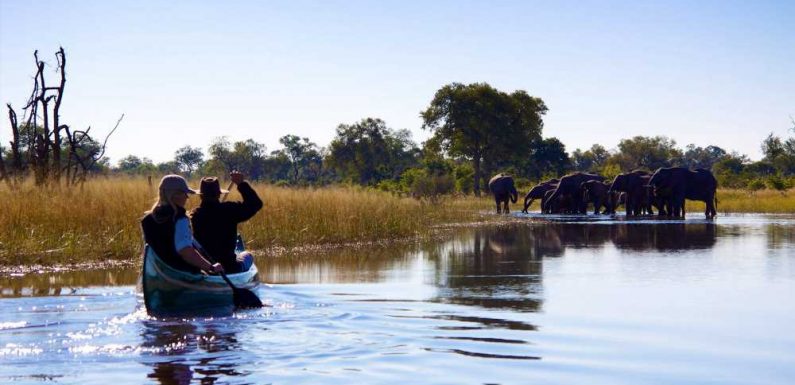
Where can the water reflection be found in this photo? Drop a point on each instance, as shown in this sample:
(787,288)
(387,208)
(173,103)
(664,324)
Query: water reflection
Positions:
(64,283)
(780,235)
(493,268)
(180,350)
(665,237)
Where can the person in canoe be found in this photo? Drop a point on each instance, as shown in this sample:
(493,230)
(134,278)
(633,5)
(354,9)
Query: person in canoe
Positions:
(215,222)
(167,230)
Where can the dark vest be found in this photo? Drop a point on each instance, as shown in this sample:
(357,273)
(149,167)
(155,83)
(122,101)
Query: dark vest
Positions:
(159,228)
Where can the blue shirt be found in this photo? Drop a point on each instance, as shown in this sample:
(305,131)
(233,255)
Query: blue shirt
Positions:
(183,237)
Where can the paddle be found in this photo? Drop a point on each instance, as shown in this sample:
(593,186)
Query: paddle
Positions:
(242,298)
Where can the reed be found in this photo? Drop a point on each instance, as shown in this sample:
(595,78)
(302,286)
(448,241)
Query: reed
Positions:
(100,221)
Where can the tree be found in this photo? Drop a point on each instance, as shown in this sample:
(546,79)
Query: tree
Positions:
(484,125)
(647,152)
(247,156)
(302,154)
(132,164)
(780,154)
(189,158)
(48,139)
(591,160)
(129,163)
(368,152)
(548,156)
(698,157)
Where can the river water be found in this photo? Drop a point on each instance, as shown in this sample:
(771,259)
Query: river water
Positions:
(530,301)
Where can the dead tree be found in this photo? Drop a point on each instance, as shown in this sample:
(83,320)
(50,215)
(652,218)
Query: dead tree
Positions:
(84,153)
(46,138)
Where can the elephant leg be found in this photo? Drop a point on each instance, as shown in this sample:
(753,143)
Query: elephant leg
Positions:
(527,204)
(505,207)
(711,211)
(497,202)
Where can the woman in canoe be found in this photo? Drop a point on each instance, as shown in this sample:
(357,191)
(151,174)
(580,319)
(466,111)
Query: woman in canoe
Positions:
(167,231)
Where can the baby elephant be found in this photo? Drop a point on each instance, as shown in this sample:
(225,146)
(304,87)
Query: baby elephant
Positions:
(596,192)
(503,188)
(537,192)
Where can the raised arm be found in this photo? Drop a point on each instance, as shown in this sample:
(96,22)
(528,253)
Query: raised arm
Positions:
(251,202)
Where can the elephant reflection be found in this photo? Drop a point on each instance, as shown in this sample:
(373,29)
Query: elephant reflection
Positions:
(667,236)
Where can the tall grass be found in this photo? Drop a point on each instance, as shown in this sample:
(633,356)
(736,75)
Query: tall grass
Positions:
(764,201)
(100,221)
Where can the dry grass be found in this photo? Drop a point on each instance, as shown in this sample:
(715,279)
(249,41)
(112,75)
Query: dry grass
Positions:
(100,221)
(764,201)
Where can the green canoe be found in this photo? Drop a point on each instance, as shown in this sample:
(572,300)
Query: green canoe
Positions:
(168,291)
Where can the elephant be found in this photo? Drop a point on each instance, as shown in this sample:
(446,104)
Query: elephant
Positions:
(637,196)
(675,184)
(594,191)
(560,205)
(503,188)
(570,187)
(537,192)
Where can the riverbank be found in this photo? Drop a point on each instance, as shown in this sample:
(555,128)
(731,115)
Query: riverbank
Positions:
(100,221)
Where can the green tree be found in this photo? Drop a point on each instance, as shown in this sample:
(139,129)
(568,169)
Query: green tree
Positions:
(170,167)
(780,154)
(702,157)
(647,152)
(368,152)
(591,160)
(484,125)
(246,156)
(132,164)
(302,154)
(547,156)
(189,158)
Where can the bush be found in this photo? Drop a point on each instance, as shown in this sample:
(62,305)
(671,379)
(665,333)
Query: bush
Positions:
(775,182)
(464,178)
(755,184)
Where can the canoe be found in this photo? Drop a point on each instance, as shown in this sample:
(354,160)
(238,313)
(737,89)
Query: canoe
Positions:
(168,291)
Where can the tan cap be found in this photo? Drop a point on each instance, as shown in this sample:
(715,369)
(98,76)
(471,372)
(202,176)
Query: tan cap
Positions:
(176,182)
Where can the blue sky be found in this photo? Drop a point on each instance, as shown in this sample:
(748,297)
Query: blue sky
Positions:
(185,72)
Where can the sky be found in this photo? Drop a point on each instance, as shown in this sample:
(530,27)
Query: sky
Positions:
(185,72)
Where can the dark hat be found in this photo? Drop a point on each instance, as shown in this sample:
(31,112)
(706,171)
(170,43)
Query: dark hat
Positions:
(211,187)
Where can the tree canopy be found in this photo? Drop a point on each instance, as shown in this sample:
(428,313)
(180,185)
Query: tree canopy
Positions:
(481,123)
(368,152)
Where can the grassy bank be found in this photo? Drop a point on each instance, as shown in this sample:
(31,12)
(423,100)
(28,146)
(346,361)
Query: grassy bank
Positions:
(101,220)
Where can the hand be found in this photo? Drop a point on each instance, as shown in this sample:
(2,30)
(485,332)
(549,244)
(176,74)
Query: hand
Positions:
(237,177)
(217,268)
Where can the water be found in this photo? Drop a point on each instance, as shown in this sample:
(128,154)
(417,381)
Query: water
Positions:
(592,302)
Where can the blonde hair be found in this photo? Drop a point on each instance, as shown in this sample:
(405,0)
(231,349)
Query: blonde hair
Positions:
(165,198)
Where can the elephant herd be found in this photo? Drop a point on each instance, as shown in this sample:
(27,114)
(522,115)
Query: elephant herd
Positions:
(640,192)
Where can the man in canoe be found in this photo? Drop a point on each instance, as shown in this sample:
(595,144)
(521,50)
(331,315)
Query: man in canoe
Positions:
(215,222)
(167,232)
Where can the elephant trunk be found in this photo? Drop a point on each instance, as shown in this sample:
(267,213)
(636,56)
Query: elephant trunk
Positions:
(514,195)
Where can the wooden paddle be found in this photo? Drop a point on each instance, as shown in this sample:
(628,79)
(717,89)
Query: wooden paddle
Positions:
(242,298)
